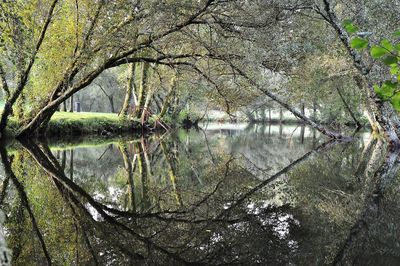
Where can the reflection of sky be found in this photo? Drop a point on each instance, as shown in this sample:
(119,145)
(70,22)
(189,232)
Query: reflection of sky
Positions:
(94,213)
(275,129)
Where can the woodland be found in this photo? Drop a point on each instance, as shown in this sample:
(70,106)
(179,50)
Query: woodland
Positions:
(199,132)
(329,63)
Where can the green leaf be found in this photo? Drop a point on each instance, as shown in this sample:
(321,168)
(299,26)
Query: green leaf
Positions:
(347,22)
(397,33)
(387,45)
(349,26)
(390,60)
(397,47)
(394,70)
(378,91)
(386,91)
(395,101)
(359,43)
(378,52)
(389,84)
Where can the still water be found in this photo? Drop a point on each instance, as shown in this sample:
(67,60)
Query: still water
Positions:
(225,195)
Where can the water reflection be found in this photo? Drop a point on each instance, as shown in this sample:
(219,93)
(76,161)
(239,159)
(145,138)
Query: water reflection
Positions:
(219,196)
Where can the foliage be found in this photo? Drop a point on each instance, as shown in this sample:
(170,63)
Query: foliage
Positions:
(388,53)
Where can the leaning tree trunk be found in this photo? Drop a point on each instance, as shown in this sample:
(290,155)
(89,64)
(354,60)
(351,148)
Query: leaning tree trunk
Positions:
(327,132)
(382,112)
(348,108)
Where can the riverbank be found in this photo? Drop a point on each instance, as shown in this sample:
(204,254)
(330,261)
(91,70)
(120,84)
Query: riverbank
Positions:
(73,125)
(67,125)
(64,124)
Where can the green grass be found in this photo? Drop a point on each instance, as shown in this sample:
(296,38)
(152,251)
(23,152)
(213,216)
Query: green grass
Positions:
(66,123)
(83,115)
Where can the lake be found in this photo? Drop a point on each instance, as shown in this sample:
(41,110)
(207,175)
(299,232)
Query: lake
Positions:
(222,195)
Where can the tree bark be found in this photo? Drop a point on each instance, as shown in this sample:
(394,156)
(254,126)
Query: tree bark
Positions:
(71,104)
(167,101)
(142,92)
(129,92)
(269,114)
(346,105)
(64,107)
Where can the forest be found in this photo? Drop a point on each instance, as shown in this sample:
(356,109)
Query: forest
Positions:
(199,132)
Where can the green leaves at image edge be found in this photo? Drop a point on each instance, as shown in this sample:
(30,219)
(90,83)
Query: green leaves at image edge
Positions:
(388,92)
(395,101)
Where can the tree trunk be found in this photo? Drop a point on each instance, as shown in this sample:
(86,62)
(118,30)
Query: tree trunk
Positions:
(64,106)
(167,101)
(71,164)
(130,90)
(269,114)
(145,110)
(302,132)
(262,114)
(111,100)
(71,104)
(142,90)
(314,110)
(358,124)
(129,171)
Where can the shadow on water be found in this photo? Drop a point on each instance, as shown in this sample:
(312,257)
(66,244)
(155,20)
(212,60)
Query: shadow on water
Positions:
(220,196)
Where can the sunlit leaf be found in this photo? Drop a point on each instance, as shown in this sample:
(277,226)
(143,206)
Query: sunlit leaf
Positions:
(349,26)
(378,52)
(386,91)
(394,70)
(359,43)
(395,101)
(386,44)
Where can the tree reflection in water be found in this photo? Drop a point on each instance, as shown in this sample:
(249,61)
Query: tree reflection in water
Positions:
(202,198)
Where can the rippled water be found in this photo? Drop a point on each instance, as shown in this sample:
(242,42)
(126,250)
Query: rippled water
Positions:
(229,194)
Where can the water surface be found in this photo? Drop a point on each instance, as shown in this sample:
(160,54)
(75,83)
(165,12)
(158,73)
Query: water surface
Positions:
(226,195)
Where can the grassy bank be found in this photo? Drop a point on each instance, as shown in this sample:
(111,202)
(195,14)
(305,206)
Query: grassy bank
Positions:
(66,124)
(89,123)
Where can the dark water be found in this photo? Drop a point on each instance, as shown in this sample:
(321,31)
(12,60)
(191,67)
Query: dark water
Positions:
(223,196)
